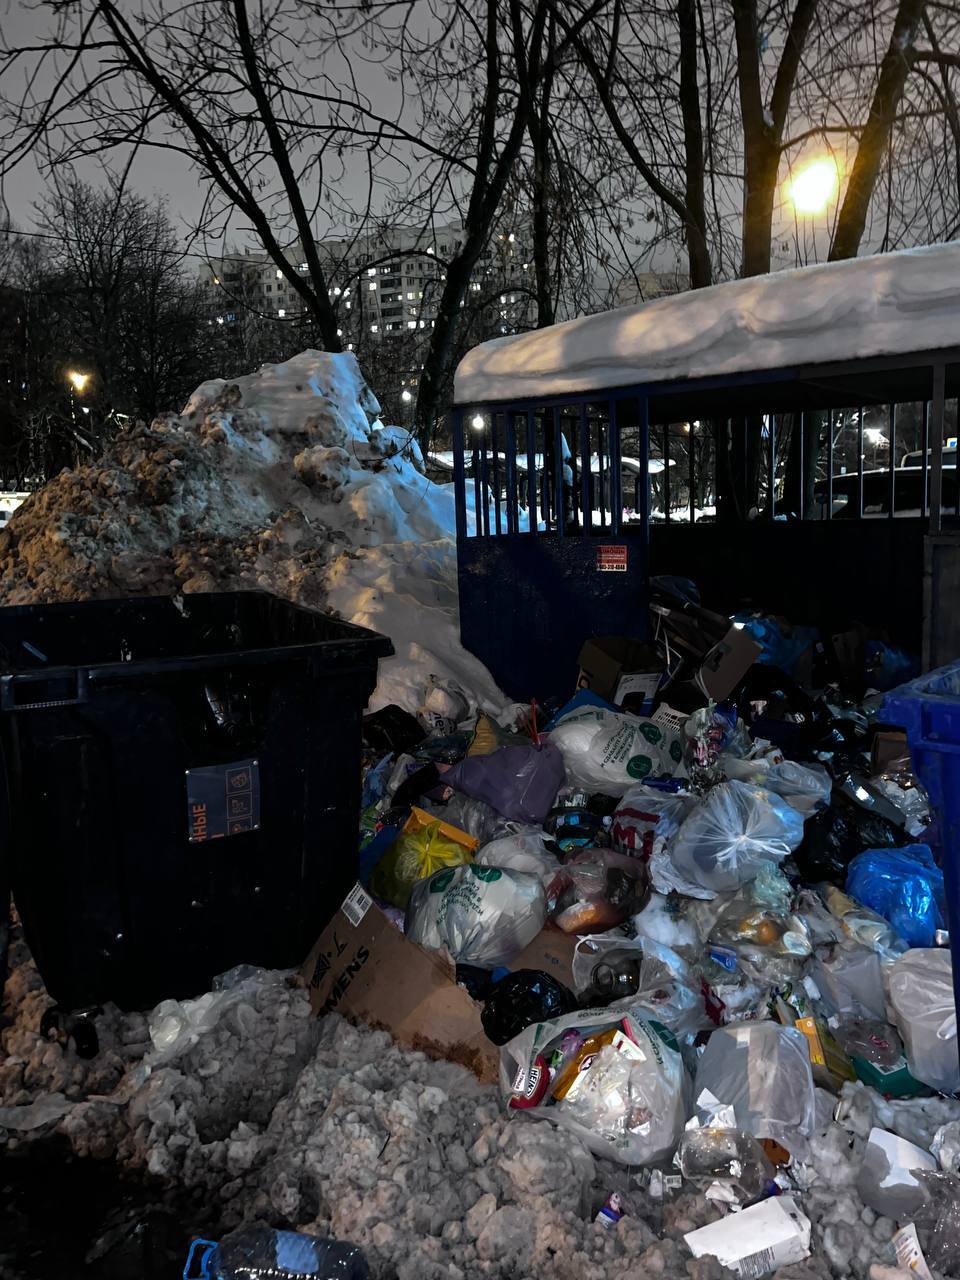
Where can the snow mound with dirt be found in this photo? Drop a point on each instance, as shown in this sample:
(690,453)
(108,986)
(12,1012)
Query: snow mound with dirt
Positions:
(283,480)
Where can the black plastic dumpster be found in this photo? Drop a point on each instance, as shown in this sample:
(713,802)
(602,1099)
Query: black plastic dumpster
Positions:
(183,786)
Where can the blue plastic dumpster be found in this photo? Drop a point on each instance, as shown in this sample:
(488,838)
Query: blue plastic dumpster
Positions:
(928,708)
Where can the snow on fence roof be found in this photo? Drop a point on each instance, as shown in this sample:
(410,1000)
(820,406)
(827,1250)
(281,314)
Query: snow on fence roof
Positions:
(888,304)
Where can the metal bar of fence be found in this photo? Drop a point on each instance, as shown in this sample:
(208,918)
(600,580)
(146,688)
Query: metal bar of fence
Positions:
(801,425)
(531,472)
(924,458)
(643,480)
(477,505)
(830,464)
(510,448)
(893,462)
(558,490)
(665,451)
(459,474)
(585,509)
(484,521)
(860,464)
(598,496)
(495,471)
(692,476)
(936,447)
(616,497)
(772,482)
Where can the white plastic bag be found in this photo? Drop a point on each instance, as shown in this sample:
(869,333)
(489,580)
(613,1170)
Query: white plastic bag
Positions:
(666,989)
(660,923)
(444,706)
(523,849)
(762,1070)
(725,841)
(481,915)
(806,787)
(921,998)
(606,751)
(644,816)
(630,1106)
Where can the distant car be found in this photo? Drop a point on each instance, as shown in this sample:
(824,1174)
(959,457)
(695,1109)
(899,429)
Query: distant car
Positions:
(908,489)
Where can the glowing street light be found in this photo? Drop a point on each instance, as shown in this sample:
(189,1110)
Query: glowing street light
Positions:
(406,396)
(477,422)
(78,381)
(815,186)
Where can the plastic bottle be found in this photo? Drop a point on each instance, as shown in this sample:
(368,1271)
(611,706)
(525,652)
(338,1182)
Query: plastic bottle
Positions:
(260,1252)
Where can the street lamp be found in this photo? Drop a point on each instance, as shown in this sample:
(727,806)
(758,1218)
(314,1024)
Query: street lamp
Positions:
(812,189)
(405,396)
(78,382)
(477,422)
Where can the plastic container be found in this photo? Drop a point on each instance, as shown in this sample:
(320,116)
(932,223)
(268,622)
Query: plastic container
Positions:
(928,708)
(184,785)
(261,1253)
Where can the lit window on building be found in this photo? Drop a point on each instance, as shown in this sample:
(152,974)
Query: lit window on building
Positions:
(372,285)
(371,271)
(411,324)
(279,274)
(373,328)
(282,314)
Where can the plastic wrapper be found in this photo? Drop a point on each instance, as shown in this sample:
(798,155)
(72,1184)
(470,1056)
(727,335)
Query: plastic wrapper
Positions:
(262,1253)
(922,1003)
(481,915)
(905,886)
(617,1081)
(872,1040)
(597,889)
(522,998)
(727,839)
(763,1071)
(472,816)
(806,787)
(607,751)
(705,735)
(938,1220)
(177,1025)
(639,973)
(733,1159)
(849,980)
(859,924)
(523,849)
(425,845)
(644,816)
(745,925)
(444,705)
(520,783)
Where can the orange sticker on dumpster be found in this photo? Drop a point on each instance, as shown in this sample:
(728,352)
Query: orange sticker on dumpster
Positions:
(612,558)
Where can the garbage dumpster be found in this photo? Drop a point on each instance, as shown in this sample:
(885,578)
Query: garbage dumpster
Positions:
(928,708)
(182,786)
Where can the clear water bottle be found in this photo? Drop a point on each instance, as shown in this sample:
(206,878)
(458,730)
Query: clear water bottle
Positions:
(260,1253)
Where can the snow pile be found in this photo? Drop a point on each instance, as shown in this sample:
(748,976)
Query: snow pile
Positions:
(283,480)
(888,304)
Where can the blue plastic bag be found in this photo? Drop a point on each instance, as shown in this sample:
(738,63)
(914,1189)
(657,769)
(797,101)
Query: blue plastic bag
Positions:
(905,886)
(776,648)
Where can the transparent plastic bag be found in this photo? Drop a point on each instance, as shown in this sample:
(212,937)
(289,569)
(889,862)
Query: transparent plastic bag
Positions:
(639,973)
(726,840)
(597,889)
(922,1002)
(730,1157)
(938,1220)
(643,816)
(762,1070)
(870,1040)
(521,849)
(850,980)
(481,915)
(905,886)
(806,787)
(262,1253)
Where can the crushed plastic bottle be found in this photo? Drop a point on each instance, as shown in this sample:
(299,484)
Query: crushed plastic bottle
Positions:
(258,1253)
(731,1158)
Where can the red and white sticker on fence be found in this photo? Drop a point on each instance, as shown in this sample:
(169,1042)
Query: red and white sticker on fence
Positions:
(612,558)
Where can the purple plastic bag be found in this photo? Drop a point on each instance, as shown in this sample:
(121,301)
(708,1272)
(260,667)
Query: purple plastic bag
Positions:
(521,783)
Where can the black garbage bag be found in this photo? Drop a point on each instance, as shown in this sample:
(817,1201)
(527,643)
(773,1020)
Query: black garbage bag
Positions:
(775,707)
(391,729)
(835,835)
(521,999)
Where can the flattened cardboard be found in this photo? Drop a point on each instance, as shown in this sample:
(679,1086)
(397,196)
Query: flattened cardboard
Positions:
(551,951)
(618,667)
(728,662)
(365,969)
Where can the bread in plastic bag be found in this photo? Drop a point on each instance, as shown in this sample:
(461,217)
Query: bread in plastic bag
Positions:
(609,970)
(597,889)
(922,1003)
(627,1101)
(762,1070)
(481,915)
(521,783)
(425,845)
(521,848)
(606,751)
(643,816)
(725,841)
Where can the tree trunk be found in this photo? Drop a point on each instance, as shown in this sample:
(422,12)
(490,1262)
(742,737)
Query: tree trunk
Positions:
(698,255)
(876,136)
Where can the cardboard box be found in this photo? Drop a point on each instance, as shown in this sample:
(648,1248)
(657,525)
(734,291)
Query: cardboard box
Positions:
(728,662)
(625,672)
(756,1241)
(891,1082)
(365,969)
(888,745)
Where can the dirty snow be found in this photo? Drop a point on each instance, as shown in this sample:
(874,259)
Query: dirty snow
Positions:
(283,480)
(891,303)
